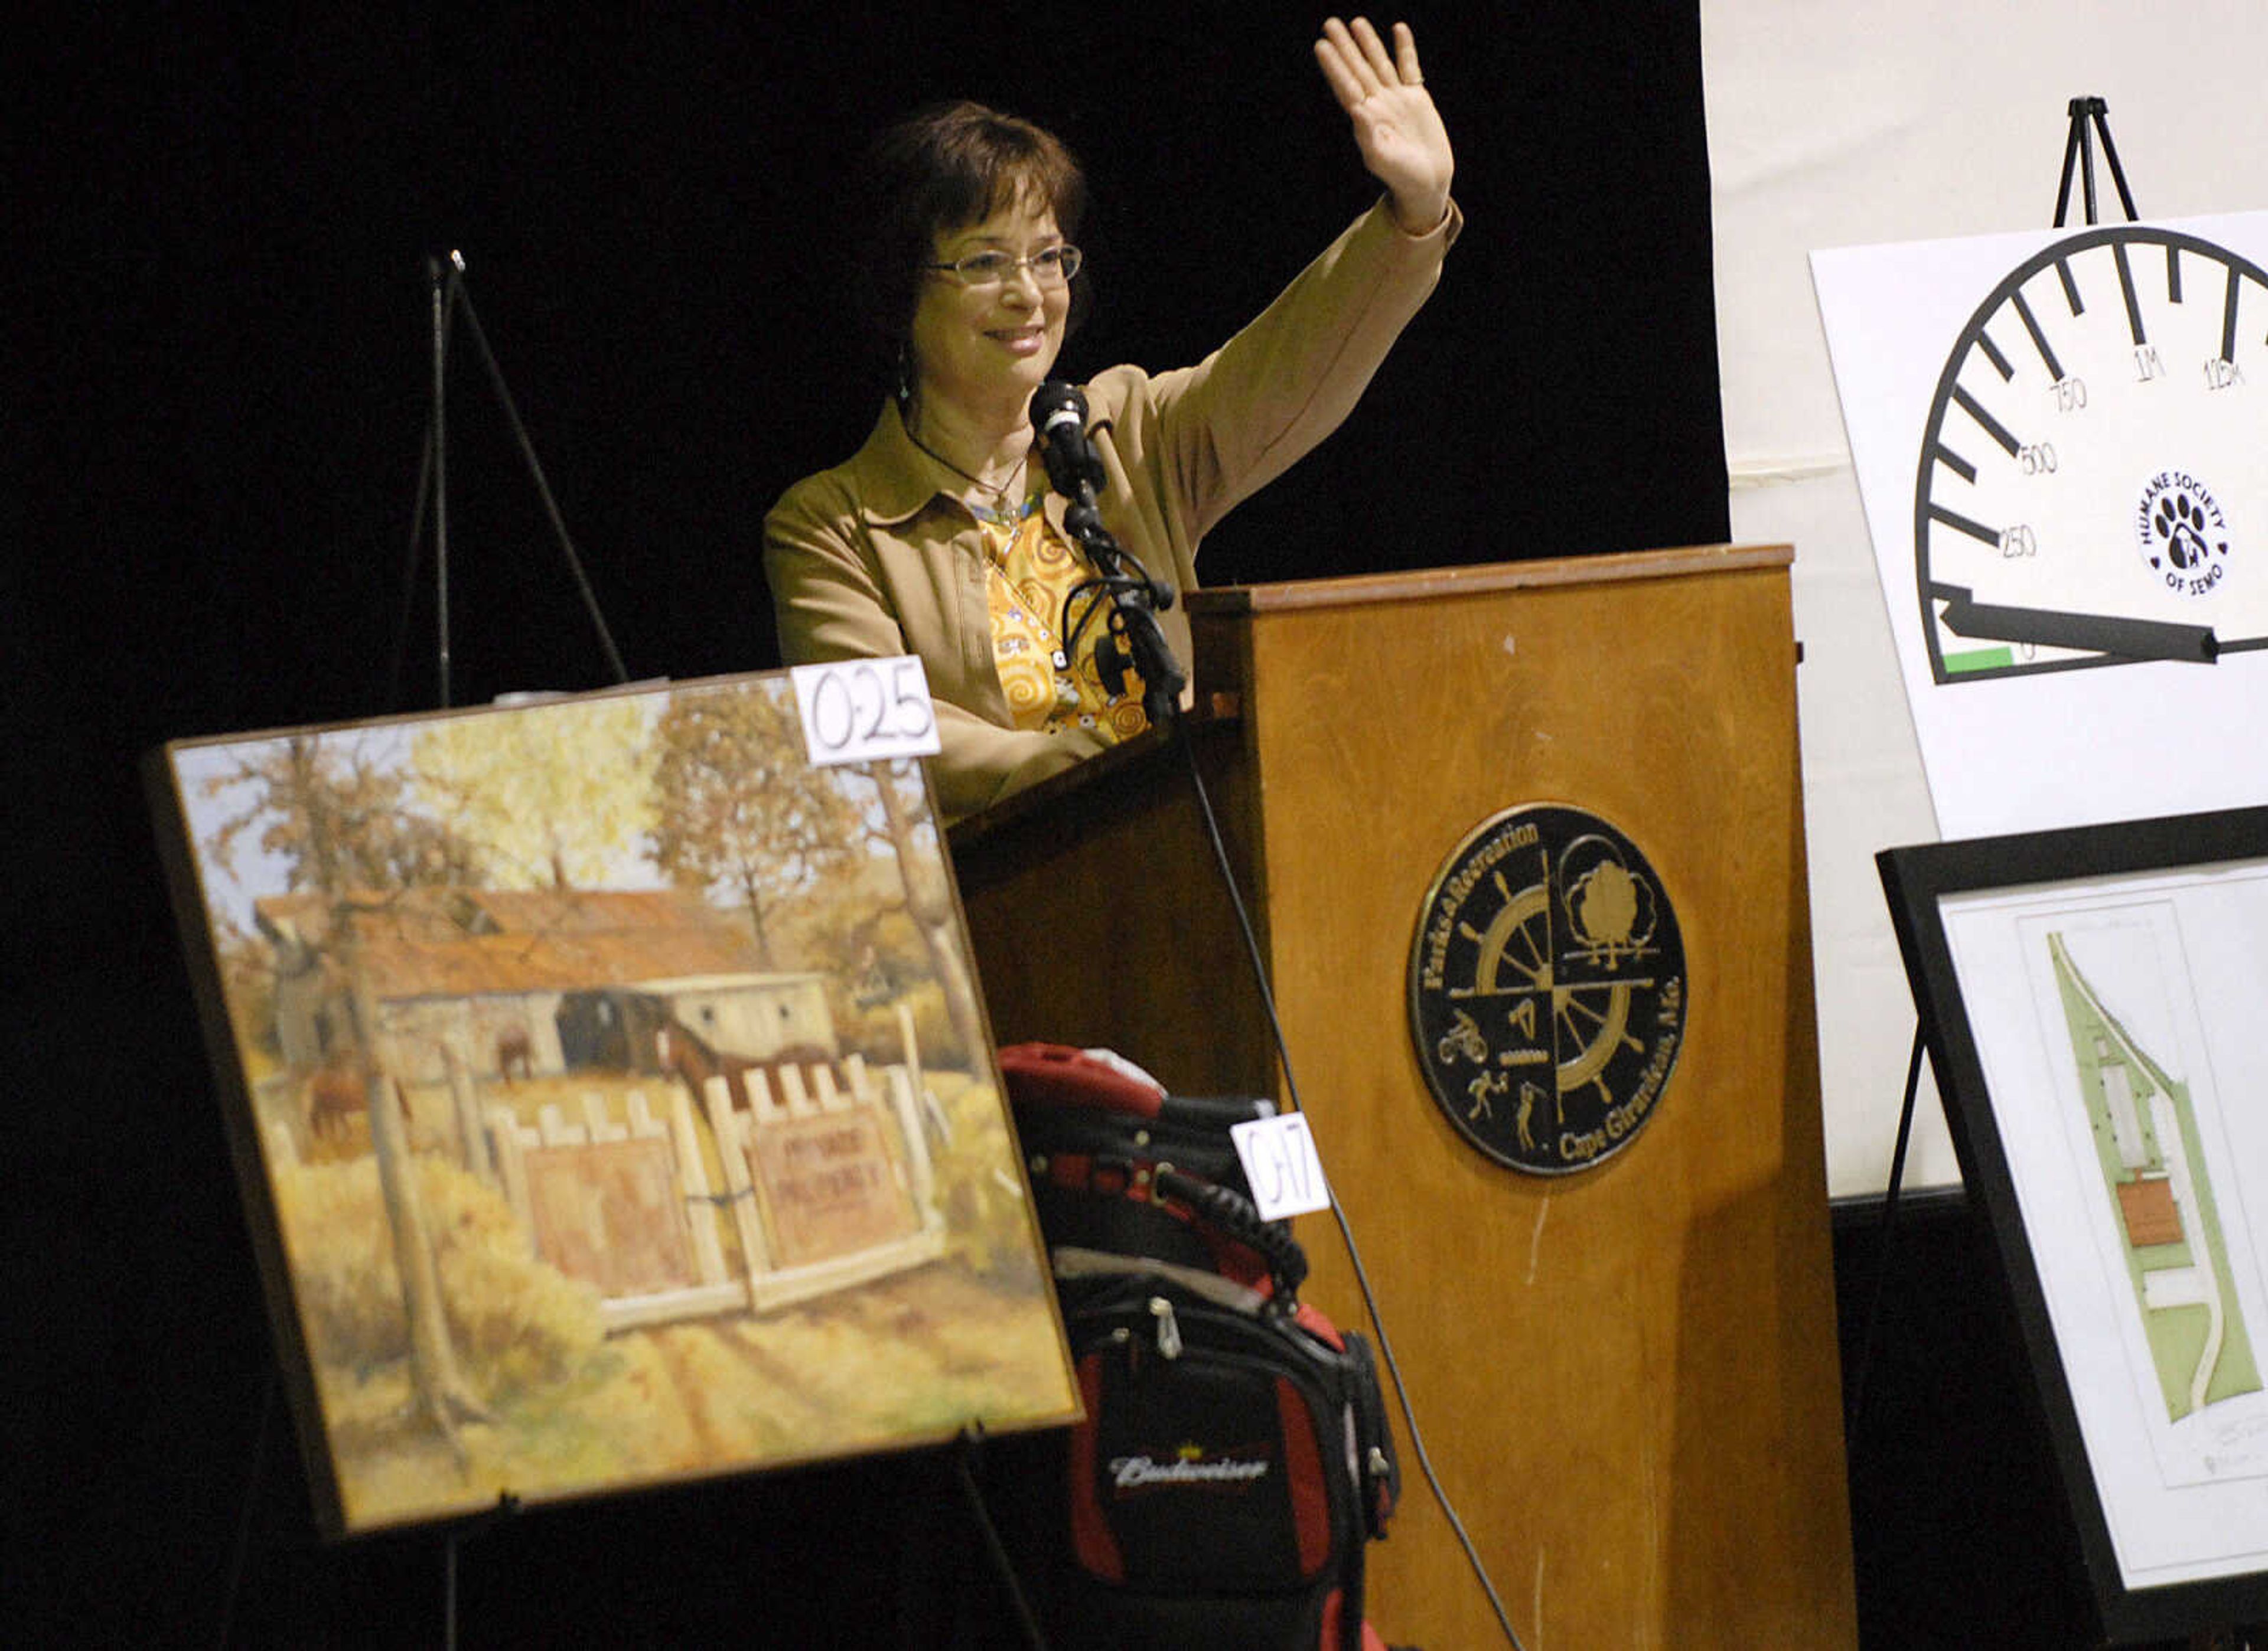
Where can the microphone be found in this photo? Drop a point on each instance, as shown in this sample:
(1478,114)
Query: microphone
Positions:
(1131,636)
(1059,426)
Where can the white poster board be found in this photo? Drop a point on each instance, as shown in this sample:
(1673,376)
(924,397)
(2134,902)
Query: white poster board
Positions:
(1882,121)
(2061,442)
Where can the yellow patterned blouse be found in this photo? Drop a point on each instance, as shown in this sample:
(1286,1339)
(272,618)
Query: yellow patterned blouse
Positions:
(1030,569)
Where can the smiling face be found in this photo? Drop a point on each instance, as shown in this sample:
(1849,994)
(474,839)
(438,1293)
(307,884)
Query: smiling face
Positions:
(984,349)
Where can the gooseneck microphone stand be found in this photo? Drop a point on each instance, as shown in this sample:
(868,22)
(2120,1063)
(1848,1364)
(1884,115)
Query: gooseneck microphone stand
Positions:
(1131,634)
(1122,590)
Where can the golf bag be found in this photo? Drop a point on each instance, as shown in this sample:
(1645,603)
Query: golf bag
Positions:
(1235,1460)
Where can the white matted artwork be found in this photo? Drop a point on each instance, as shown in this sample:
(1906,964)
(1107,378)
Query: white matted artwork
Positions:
(2092,999)
(2058,436)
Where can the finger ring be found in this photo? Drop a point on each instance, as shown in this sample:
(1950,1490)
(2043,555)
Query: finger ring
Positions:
(1414,80)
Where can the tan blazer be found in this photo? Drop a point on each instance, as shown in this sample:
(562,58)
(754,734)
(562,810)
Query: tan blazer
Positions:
(879,555)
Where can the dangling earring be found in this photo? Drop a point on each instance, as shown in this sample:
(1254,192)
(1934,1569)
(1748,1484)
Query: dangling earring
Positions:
(903,373)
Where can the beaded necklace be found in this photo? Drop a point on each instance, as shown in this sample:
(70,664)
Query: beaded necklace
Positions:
(1000,490)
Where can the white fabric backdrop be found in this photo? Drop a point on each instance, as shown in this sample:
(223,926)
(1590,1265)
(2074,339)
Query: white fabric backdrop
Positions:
(1841,122)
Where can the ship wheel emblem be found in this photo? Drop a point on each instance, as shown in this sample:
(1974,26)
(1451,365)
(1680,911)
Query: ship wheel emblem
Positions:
(1547,989)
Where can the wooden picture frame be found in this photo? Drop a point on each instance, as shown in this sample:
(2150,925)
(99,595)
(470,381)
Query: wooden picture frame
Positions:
(2095,1001)
(610,1096)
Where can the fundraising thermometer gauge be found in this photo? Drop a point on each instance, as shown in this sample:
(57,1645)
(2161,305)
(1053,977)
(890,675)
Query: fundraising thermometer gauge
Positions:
(2092,487)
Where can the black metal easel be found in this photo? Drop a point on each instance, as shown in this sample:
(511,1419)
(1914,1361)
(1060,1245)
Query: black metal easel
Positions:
(446,277)
(2089,119)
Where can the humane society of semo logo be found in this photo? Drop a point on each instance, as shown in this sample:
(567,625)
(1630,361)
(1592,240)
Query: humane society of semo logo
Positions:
(2181,533)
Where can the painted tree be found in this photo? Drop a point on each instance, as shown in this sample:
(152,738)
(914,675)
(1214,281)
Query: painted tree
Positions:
(553,796)
(900,817)
(335,818)
(339,823)
(739,807)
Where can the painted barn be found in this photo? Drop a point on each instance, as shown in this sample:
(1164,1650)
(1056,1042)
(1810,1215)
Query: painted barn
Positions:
(523,982)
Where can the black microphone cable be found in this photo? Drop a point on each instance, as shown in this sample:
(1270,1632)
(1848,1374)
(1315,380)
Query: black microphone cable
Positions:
(1058,414)
(1180,736)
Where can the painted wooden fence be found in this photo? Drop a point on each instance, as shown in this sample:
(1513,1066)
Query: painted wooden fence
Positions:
(820,1182)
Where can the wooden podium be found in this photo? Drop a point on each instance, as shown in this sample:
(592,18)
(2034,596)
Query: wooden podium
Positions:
(1626,1375)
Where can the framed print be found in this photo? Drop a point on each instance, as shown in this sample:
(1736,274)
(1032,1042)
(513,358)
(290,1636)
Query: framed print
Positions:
(2095,1001)
(610,1096)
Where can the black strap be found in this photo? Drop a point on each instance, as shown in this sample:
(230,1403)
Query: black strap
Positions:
(1240,1218)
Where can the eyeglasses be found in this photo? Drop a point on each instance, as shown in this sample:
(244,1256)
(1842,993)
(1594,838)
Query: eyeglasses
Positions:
(1050,266)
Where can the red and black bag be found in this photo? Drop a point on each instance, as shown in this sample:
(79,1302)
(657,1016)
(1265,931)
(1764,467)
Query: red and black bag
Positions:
(1236,1459)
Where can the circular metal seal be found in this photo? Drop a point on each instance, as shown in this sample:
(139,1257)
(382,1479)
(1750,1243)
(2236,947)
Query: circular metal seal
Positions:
(1547,989)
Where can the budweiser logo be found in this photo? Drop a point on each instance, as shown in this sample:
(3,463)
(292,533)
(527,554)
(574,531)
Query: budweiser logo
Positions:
(1133,1473)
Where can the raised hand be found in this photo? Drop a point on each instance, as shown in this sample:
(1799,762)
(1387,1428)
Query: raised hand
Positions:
(1397,127)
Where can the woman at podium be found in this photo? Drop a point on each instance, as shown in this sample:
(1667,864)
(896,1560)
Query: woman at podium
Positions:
(940,536)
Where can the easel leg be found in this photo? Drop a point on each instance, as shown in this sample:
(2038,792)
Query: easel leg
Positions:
(254,1473)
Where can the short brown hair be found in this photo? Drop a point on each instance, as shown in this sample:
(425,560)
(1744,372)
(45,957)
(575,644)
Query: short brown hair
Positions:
(950,164)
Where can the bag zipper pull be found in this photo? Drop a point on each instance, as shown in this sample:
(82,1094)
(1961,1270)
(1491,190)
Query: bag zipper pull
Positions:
(1169,1330)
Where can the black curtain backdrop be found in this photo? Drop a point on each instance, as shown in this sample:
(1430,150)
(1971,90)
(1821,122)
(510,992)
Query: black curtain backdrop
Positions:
(221,387)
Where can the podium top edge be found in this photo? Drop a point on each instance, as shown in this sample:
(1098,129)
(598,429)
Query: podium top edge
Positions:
(1291,594)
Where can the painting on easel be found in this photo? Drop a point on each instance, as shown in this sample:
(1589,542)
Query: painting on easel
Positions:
(611,1099)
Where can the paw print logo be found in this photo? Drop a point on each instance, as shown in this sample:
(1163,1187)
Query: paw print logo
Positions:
(2182,533)
(2181,528)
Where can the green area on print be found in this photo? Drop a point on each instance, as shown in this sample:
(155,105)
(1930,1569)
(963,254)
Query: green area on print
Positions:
(1983,659)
